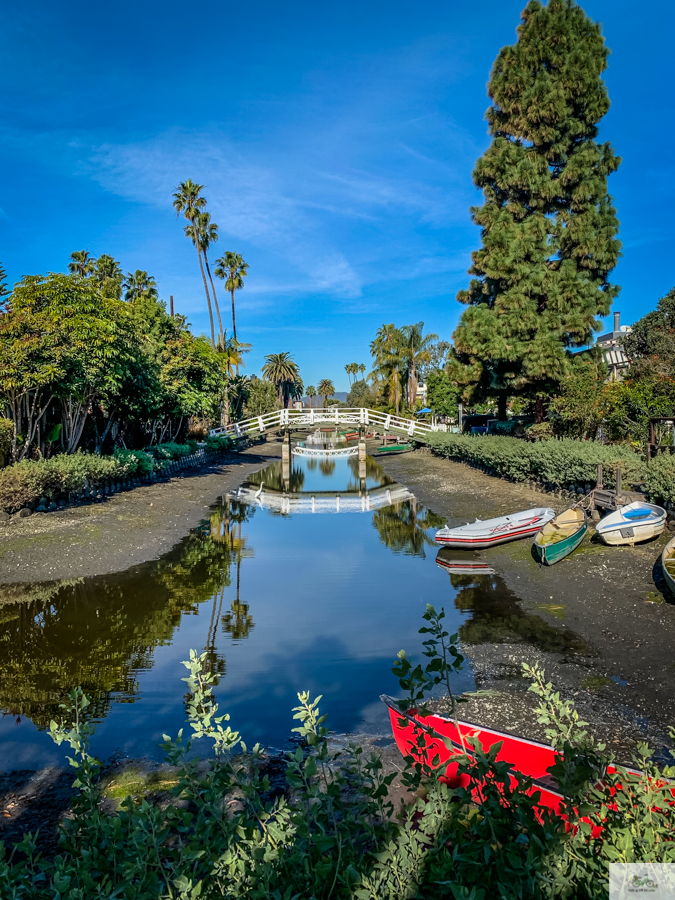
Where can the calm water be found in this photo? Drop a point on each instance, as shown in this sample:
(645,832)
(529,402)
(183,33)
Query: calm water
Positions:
(314,585)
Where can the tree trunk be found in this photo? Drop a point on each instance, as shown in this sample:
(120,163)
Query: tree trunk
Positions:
(501,406)
(208,298)
(234,329)
(539,410)
(215,300)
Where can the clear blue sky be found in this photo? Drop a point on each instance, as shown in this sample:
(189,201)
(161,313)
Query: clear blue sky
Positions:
(336,142)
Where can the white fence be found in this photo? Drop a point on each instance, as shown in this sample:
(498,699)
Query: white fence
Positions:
(291,418)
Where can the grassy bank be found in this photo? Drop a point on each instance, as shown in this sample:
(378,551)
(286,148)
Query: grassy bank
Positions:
(559,464)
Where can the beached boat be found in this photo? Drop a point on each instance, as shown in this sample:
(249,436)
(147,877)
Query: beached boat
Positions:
(445,739)
(668,564)
(559,537)
(394,448)
(490,532)
(631,524)
(468,566)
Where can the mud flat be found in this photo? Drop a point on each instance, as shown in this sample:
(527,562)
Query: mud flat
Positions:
(124,530)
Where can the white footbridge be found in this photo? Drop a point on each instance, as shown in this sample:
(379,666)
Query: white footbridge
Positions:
(309,418)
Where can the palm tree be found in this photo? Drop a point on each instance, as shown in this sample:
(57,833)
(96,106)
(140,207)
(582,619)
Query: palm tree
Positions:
(348,370)
(108,272)
(416,352)
(187,199)
(325,390)
(362,370)
(233,354)
(282,371)
(81,263)
(386,350)
(208,234)
(311,393)
(139,284)
(233,269)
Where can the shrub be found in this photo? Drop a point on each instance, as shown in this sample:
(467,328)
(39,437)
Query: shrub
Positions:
(557,462)
(218,443)
(6,435)
(170,450)
(134,462)
(332,833)
(660,479)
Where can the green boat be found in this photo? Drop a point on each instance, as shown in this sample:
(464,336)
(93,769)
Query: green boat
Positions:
(559,537)
(394,448)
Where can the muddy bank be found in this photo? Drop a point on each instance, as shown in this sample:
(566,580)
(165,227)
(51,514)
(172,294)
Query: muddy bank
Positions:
(122,531)
(602,622)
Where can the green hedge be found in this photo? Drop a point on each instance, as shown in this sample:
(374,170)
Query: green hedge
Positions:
(557,463)
(218,444)
(172,451)
(660,479)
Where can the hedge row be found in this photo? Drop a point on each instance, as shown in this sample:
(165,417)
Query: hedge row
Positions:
(557,464)
(61,477)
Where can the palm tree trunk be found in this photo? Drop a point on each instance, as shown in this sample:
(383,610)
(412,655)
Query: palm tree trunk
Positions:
(234,321)
(208,298)
(215,300)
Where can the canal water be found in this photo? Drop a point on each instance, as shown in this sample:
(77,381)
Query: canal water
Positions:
(308,579)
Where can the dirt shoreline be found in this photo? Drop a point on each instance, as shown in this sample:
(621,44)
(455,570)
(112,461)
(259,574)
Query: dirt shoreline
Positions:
(122,531)
(608,607)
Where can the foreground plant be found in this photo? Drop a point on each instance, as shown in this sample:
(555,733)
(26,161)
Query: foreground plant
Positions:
(332,833)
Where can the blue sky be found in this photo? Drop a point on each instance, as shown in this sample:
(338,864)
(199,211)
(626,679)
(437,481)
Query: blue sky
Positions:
(336,142)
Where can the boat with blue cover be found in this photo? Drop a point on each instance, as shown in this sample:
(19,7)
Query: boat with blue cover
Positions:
(635,522)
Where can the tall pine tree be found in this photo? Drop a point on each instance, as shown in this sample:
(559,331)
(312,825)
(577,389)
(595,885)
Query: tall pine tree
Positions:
(549,230)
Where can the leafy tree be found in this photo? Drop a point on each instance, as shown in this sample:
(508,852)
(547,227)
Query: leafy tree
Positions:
(261,398)
(549,229)
(81,263)
(361,395)
(187,199)
(388,368)
(282,371)
(439,353)
(415,350)
(233,269)
(139,284)
(311,393)
(108,275)
(325,389)
(192,376)
(442,394)
(651,344)
(60,338)
(584,400)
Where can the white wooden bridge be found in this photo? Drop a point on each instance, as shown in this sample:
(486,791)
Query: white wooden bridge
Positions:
(309,418)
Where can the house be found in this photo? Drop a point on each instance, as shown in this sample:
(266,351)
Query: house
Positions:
(612,349)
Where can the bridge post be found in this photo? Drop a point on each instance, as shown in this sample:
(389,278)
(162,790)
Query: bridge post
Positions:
(362,446)
(286,457)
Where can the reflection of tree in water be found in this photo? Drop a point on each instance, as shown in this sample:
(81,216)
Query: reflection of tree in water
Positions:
(310,462)
(272,475)
(327,465)
(498,617)
(374,473)
(403,527)
(100,632)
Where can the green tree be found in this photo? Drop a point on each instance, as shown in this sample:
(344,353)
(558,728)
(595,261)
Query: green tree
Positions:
(584,400)
(261,398)
(549,229)
(283,372)
(415,351)
(311,393)
(139,284)
(188,200)
(233,269)
(650,345)
(442,394)
(81,263)
(388,368)
(108,275)
(4,290)
(325,389)
(361,395)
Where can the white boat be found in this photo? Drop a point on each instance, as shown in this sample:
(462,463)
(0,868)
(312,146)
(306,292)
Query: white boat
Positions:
(638,521)
(490,532)
(668,563)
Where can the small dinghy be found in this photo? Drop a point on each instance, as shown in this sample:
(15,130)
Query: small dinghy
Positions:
(490,532)
(631,524)
(559,537)
(668,564)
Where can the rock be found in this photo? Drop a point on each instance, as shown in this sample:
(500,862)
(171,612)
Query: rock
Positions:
(62,503)
(43,501)
(4,517)
(52,506)
(25,512)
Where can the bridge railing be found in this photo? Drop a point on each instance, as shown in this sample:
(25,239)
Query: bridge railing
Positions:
(282,418)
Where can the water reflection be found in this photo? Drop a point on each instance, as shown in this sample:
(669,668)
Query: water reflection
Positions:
(406,529)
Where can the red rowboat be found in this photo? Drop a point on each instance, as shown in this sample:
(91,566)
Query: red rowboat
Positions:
(490,532)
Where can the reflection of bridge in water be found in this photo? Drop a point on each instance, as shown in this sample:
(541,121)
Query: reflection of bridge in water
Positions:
(318,452)
(326,501)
